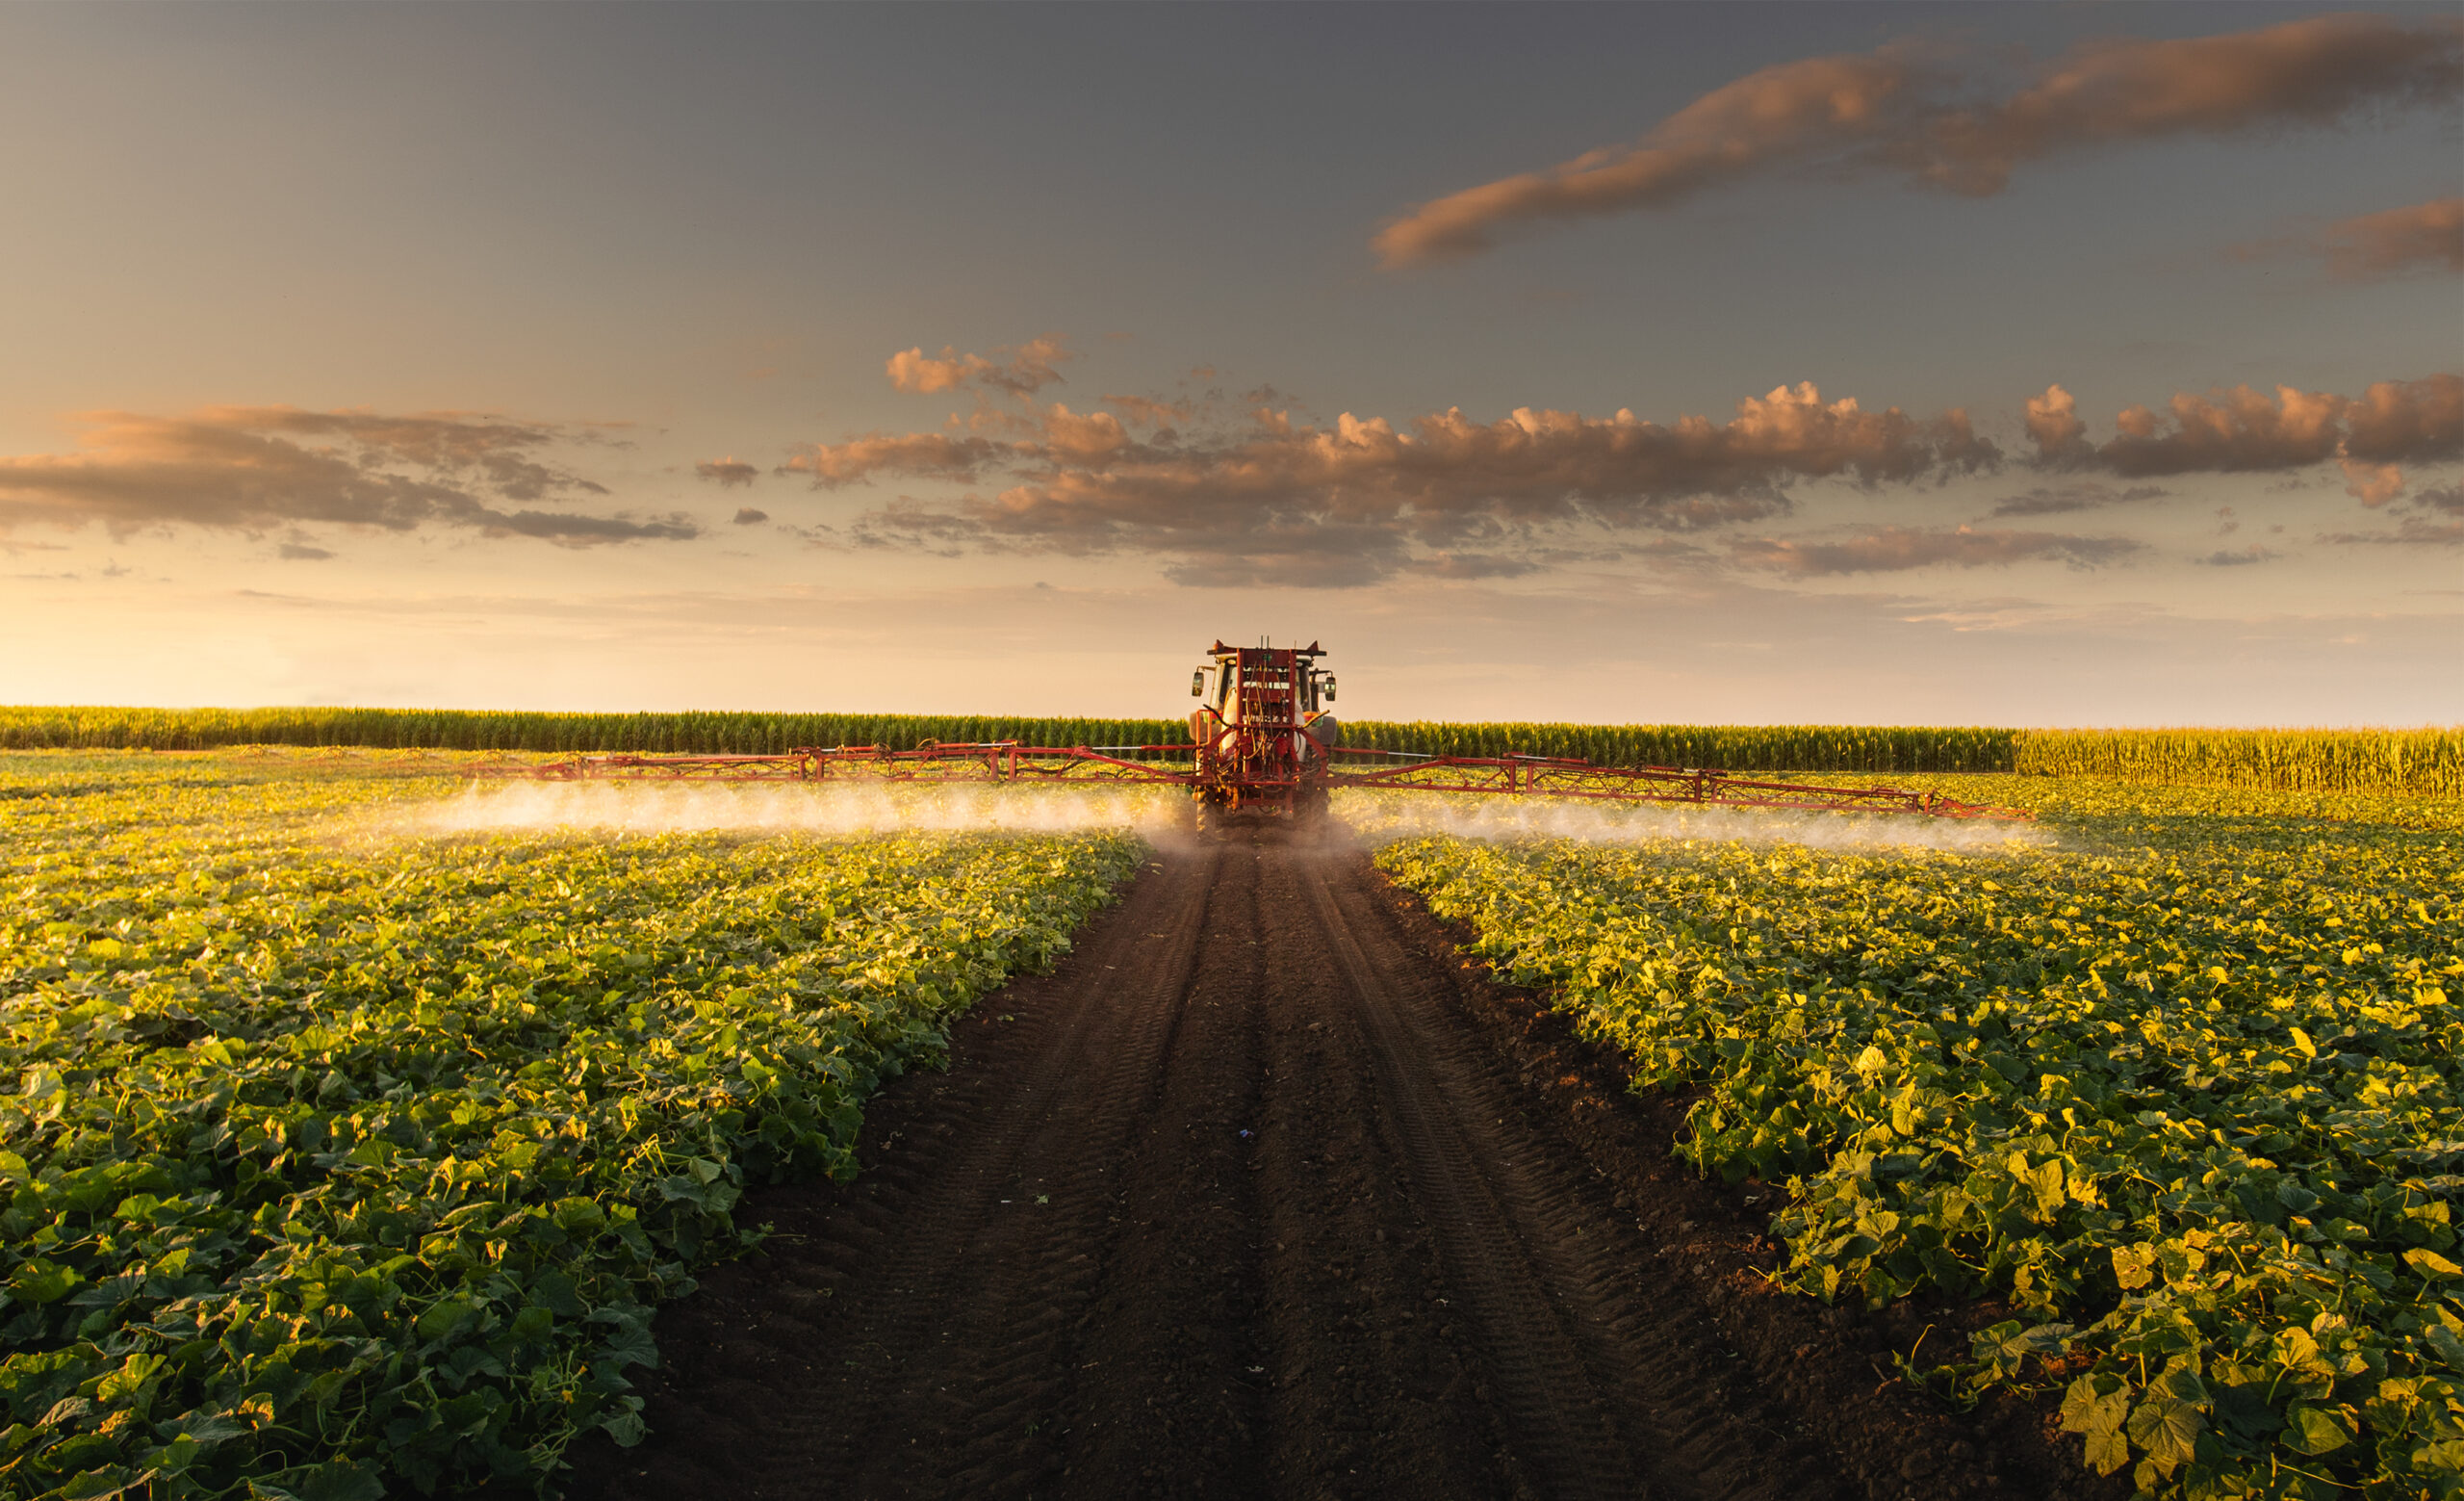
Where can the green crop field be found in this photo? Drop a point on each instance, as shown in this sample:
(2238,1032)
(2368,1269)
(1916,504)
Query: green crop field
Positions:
(351,1143)
(2181,1087)
(340,1158)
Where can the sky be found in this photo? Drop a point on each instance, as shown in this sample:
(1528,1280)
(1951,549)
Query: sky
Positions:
(2018,364)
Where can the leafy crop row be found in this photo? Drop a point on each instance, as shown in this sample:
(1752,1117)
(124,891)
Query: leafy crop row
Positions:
(2427,761)
(2184,1092)
(335,1161)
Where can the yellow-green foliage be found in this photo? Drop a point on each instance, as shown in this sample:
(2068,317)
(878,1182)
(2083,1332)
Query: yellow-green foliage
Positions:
(2428,761)
(343,1166)
(2185,1090)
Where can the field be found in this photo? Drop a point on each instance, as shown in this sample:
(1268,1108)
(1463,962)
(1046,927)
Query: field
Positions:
(344,1154)
(2181,1090)
(355,1139)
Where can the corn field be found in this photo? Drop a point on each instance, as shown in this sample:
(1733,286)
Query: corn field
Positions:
(2428,761)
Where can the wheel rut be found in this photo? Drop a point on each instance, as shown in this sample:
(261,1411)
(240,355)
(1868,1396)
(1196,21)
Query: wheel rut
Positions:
(1240,1201)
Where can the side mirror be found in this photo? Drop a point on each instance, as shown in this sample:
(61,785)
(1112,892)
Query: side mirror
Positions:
(1197,683)
(1326,687)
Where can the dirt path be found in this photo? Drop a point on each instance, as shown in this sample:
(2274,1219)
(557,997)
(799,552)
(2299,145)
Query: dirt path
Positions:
(1264,1192)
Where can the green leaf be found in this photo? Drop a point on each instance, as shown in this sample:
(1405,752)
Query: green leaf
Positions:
(2107,1450)
(2134,1266)
(2167,1430)
(2315,1430)
(39,1281)
(2092,1405)
(101,1485)
(627,1427)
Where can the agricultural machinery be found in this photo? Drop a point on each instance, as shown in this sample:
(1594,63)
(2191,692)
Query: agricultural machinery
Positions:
(1264,752)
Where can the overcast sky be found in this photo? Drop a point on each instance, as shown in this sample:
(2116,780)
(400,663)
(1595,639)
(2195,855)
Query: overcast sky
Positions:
(2013,364)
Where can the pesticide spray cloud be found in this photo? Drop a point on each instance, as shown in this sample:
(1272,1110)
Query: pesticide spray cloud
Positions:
(1156,813)
(839,809)
(1380,818)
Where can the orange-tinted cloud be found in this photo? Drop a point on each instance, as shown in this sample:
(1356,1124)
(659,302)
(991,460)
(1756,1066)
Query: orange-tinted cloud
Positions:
(927,455)
(2053,419)
(1780,112)
(1022,370)
(727,471)
(1853,112)
(2245,432)
(1365,498)
(1147,412)
(2418,238)
(1896,549)
(249,468)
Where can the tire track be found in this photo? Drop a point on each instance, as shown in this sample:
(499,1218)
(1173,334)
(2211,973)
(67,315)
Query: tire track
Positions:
(1556,1418)
(957,1261)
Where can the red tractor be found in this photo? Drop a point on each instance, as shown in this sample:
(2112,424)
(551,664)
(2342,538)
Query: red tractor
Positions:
(1264,747)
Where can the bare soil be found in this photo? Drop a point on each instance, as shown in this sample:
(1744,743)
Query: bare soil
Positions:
(1266,1191)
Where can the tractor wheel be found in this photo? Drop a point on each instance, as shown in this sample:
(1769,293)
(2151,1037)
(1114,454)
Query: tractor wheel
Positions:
(1310,823)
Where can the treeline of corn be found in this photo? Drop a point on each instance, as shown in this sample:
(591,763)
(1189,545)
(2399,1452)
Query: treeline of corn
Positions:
(508,729)
(1790,747)
(2293,761)
(2427,760)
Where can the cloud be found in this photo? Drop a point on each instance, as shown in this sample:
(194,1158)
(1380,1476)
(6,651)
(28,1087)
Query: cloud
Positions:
(930,456)
(2434,517)
(2053,419)
(301,551)
(1895,549)
(1469,565)
(748,516)
(2416,239)
(2445,500)
(1023,369)
(1146,412)
(1362,498)
(1778,113)
(2248,431)
(2371,484)
(1893,109)
(2236,558)
(249,468)
(727,471)
(2419,237)
(2084,495)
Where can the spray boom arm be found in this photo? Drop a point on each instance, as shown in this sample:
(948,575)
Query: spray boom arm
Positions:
(1344,766)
